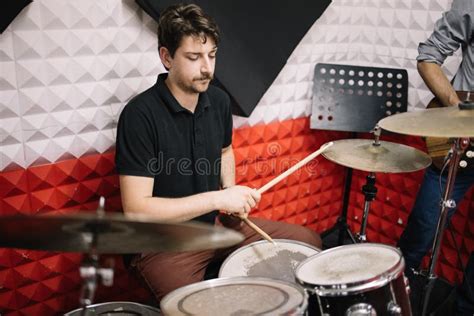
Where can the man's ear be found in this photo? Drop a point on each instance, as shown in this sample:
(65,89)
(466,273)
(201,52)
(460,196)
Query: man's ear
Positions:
(165,57)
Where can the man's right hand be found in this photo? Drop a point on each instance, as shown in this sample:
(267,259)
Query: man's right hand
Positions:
(238,200)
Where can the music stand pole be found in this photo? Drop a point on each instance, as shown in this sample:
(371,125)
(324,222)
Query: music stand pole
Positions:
(341,224)
(342,220)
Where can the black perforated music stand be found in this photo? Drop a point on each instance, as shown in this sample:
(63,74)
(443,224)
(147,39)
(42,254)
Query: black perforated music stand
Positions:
(353,99)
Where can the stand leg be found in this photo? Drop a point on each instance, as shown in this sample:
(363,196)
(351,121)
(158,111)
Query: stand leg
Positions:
(341,225)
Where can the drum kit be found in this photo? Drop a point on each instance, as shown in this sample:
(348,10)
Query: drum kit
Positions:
(264,278)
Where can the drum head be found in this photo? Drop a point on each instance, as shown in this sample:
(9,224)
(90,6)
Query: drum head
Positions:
(350,269)
(235,296)
(264,259)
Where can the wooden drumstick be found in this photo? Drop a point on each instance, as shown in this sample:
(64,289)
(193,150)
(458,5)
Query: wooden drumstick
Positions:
(294,168)
(257,229)
(278,179)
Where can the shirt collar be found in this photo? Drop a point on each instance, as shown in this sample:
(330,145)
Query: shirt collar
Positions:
(171,101)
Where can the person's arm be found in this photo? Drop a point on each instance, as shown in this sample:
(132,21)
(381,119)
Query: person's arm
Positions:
(449,33)
(227,167)
(137,198)
(438,83)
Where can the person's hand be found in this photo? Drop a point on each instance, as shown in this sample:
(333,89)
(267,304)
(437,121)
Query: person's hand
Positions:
(238,200)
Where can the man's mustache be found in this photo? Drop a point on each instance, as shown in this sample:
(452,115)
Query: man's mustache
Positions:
(204,77)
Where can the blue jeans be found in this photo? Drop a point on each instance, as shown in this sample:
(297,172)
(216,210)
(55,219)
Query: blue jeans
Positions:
(418,236)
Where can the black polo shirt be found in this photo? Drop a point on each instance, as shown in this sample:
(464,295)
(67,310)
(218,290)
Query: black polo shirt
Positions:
(181,150)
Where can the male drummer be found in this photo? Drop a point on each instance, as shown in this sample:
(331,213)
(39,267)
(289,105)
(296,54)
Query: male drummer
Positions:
(174,153)
(455,29)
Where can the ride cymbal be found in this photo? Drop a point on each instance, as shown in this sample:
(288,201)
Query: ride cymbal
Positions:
(448,122)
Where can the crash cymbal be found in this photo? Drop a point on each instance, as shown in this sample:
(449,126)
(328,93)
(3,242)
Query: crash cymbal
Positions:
(362,154)
(448,122)
(116,233)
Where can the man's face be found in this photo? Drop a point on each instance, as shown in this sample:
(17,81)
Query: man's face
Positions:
(192,66)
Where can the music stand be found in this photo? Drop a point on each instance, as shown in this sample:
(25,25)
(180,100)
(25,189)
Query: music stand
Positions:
(353,99)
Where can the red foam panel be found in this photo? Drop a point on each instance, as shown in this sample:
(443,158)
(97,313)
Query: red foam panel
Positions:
(45,283)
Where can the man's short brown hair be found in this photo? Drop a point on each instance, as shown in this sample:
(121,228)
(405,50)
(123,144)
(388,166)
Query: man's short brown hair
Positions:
(182,20)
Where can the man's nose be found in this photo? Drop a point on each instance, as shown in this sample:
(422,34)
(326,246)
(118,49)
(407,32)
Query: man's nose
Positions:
(206,65)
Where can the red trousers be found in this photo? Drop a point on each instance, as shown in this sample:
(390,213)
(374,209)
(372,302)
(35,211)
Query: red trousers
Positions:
(166,271)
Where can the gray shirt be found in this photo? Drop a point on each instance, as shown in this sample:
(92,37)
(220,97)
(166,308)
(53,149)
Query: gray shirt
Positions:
(455,29)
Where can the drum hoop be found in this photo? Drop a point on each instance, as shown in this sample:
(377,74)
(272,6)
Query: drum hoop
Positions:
(243,248)
(236,280)
(97,305)
(345,289)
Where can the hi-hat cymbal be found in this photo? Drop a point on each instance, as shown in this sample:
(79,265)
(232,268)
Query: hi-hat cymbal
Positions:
(448,122)
(116,233)
(362,154)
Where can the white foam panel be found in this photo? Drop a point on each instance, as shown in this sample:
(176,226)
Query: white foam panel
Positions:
(69,67)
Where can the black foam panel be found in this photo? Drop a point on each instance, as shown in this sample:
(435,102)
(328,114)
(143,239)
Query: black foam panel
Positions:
(258,37)
(9,10)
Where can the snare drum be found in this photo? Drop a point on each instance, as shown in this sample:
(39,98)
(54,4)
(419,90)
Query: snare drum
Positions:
(360,279)
(264,259)
(117,308)
(236,296)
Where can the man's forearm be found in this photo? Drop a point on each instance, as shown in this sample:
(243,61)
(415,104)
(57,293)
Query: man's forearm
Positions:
(182,209)
(137,198)
(175,209)
(438,83)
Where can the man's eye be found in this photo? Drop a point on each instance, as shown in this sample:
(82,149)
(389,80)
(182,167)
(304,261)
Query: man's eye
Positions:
(212,56)
(193,58)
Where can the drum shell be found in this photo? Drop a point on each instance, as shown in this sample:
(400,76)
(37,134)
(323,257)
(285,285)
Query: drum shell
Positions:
(378,291)
(378,298)
(116,309)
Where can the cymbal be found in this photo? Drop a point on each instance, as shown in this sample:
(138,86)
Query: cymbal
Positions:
(362,154)
(116,233)
(448,122)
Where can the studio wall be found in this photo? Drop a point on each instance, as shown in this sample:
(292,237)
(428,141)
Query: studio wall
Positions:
(68,68)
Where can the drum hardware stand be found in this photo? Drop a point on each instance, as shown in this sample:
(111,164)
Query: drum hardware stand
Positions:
(89,269)
(457,149)
(370,191)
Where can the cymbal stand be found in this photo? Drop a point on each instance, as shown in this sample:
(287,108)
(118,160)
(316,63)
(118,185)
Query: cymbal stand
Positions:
(457,149)
(369,190)
(90,270)
(447,203)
